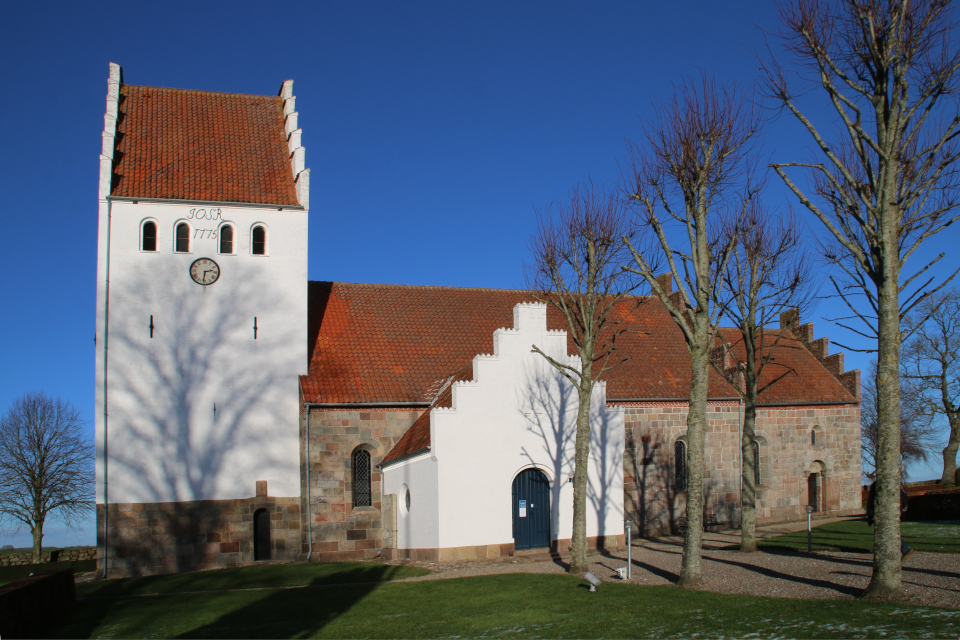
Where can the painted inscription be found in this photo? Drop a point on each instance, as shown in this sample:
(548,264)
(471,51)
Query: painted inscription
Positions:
(214,213)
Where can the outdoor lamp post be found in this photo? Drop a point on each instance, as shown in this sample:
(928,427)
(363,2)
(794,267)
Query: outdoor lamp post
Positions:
(629,548)
(809,530)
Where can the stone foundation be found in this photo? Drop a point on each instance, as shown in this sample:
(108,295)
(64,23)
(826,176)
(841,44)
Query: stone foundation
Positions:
(169,537)
(495,551)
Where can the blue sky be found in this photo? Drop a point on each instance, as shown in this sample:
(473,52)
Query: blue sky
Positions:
(434,131)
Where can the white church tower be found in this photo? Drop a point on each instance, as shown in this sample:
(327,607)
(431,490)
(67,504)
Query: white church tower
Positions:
(201,328)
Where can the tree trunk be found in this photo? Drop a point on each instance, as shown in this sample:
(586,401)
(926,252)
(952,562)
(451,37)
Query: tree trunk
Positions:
(578,559)
(696,437)
(37,532)
(748,494)
(950,452)
(886,579)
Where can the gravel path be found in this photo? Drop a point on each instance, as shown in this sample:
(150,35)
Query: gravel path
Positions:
(930,579)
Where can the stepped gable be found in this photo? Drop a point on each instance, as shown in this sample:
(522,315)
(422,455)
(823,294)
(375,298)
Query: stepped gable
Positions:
(373,343)
(181,144)
(819,349)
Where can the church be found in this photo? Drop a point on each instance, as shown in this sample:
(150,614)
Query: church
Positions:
(246,414)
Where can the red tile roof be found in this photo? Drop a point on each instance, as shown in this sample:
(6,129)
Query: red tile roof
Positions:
(201,145)
(390,343)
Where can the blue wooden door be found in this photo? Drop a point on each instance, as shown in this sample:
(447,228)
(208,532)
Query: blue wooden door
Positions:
(531,510)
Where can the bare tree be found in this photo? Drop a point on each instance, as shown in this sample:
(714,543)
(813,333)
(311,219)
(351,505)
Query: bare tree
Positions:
(765,276)
(917,435)
(931,359)
(885,183)
(46,464)
(577,258)
(693,171)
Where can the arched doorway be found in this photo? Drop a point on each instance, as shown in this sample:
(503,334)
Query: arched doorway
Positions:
(261,534)
(531,510)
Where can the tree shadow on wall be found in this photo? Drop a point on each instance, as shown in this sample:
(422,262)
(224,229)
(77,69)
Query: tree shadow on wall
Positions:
(194,409)
(550,403)
(547,402)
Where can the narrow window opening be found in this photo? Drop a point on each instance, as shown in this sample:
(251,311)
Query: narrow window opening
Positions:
(261,535)
(183,238)
(756,463)
(149,239)
(361,479)
(151,326)
(813,437)
(680,465)
(259,241)
(226,239)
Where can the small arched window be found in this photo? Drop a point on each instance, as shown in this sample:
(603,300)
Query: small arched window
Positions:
(361,479)
(258,244)
(148,236)
(680,465)
(756,463)
(183,238)
(226,239)
(813,437)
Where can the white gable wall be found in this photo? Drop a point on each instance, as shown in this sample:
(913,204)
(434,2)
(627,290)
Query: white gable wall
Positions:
(517,413)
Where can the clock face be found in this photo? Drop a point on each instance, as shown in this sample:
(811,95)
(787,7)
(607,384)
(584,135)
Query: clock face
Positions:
(204,271)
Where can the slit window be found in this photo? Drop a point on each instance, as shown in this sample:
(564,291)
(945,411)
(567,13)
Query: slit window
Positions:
(756,463)
(259,243)
(226,239)
(183,238)
(680,465)
(148,236)
(361,479)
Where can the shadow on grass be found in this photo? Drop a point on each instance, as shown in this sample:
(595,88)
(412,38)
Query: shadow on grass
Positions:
(281,616)
(258,601)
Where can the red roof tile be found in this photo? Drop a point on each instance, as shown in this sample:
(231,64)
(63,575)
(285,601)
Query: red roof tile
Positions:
(201,145)
(389,343)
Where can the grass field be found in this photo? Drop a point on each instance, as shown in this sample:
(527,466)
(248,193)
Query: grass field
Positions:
(9,574)
(857,536)
(510,605)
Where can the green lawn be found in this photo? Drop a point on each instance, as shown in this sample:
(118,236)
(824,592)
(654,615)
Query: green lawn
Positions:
(9,574)
(511,605)
(263,576)
(857,536)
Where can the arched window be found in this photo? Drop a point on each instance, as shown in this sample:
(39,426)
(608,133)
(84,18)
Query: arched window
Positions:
(226,239)
(756,463)
(813,437)
(258,244)
(680,465)
(183,238)
(361,479)
(148,236)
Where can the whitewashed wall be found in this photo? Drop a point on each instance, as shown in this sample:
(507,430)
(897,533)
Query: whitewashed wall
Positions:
(417,528)
(164,440)
(517,413)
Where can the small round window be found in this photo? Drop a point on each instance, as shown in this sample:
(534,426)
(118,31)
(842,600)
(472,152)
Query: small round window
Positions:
(405,499)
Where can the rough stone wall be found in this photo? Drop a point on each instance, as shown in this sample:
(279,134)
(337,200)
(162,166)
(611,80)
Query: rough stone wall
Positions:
(169,537)
(788,455)
(340,530)
(56,555)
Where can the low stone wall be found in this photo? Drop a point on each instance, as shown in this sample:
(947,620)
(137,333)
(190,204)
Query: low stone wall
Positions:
(169,537)
(55,555)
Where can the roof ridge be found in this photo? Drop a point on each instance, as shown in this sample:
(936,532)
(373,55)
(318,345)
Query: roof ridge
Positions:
(201,91)
(421,286)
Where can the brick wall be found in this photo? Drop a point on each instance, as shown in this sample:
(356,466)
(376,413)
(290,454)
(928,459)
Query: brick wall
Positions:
(340,530)
(787,457)
(167,537)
